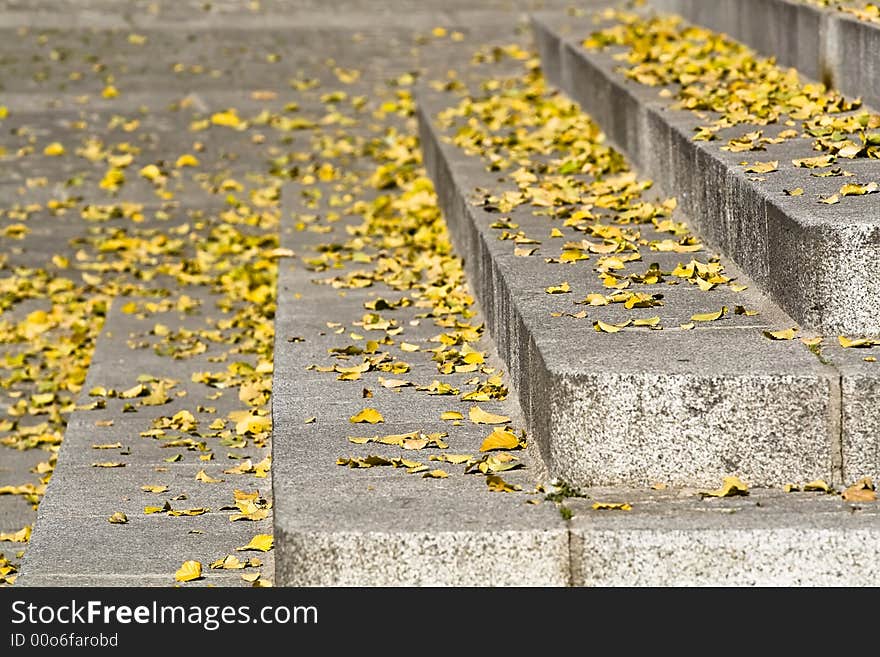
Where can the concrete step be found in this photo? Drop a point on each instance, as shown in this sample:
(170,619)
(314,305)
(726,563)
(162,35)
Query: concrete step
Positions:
(383,526)
(73,543)
(818,262)
(653,398)
(684,407)
(824,41)
(767,538)
(336,526)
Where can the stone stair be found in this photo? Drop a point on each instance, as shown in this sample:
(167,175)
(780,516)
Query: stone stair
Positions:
(632,353)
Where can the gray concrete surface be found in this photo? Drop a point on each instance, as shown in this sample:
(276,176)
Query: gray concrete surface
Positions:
(765,539)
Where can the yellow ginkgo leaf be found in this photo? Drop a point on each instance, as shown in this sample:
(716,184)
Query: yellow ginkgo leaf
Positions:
(205,478)
(260,542)
(603,327)
(54,149)
(368,415)
(731,487)
(861,491)
(187,160)
(709,317)
(785,334)
(763,167)
(851,189)
(818,485)
(854,343)
(189,571)
(229,119)
(500,439)
(478,416)
(562,288)
(497,485)
(118,518)
(612,506)
(435,474)
(451,415)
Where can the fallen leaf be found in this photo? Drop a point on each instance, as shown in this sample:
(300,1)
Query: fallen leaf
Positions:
(709,317)
(205,478)
(189,571)
(562,288)
(861,491)
(499,439)
(368,415)
(818,485)
(612,506)
(497,485)
(478,416)
(763,167)
(603,327)
(731,487)
(260,542)
(855,343)
(118,518)
(784,334)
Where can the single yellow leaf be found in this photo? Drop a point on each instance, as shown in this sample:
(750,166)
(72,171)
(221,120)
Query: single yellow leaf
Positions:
(763,167)
(562,288)
(260,542)
(189,571)
(612,506)
(187,160)
(709,317)
(855,343)
(818,485)
(154,489)
(731,487)
(118,518)
(861,491)
(451,415)
(785,334)
(435,474)
(478,416)
(650,322)
(134,391)
(205,478)
(369,415)
(603,327)
(54,149)
(500,439)
(497,485)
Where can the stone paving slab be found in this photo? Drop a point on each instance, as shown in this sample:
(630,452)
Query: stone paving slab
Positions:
(768,538)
